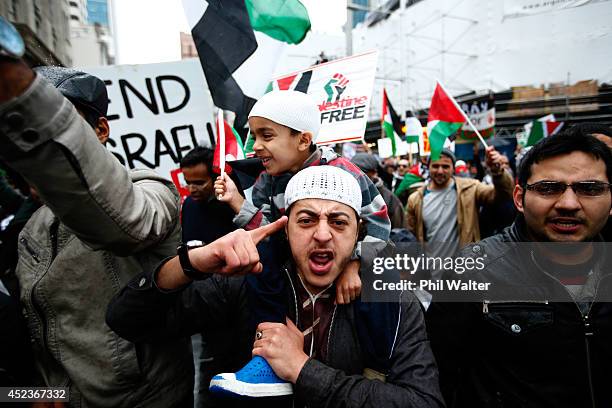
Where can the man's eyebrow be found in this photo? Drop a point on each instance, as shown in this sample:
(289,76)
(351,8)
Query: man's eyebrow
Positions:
(308,212)
(336,214)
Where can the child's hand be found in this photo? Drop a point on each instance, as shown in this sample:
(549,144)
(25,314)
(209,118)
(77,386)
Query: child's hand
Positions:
(348,286)
(227,192)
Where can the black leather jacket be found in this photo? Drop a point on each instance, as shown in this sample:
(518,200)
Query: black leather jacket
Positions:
(529,353)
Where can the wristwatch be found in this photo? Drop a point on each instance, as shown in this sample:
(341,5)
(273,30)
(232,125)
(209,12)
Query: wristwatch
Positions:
(11,43)
(188,269)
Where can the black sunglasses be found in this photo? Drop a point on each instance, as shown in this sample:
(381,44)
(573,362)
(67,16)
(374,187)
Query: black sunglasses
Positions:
(581,188)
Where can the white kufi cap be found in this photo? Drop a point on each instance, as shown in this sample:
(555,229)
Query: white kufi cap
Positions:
(293,109)
(324,182)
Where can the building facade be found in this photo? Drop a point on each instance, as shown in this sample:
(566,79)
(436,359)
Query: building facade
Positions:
(98,12)
(78,12)
(92,32)
(188,49)
(475,46)
(44,26)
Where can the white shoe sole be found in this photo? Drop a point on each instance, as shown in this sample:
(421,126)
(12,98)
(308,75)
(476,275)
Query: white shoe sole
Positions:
(252,390)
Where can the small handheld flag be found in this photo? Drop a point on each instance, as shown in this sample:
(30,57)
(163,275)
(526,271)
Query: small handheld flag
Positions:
(229,147)
(391,123)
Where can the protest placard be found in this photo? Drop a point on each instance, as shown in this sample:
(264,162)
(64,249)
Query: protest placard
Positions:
(342,90)
(157,113)
(481,110)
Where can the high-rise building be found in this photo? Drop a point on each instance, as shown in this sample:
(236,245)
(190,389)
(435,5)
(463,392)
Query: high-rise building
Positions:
(188,49)
(78,12)
(44,26)
(97,12)
(91,32)
(359,15)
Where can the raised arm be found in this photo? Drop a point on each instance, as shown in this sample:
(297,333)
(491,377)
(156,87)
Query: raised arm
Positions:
(56,151)
(163,304)
(502,181)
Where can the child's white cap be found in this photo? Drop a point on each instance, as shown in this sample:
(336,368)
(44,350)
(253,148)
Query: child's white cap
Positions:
(325,182)
(293,109)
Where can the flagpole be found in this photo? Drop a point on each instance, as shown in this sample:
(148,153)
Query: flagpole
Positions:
(467,118)
(382,119)
(410,153)
(221,127)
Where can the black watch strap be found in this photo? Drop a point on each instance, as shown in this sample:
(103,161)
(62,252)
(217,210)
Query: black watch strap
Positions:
(188,269)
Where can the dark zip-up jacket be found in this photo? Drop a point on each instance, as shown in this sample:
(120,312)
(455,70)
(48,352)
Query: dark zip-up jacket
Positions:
(143,313)
(538,351)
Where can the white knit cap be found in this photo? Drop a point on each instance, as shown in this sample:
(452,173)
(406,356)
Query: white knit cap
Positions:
(324,182)
(293,109)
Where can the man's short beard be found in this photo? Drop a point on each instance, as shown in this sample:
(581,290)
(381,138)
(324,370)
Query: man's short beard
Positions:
(435,181)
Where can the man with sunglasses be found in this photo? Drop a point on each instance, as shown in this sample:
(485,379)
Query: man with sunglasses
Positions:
(542,336)
(403,165)
(603,133)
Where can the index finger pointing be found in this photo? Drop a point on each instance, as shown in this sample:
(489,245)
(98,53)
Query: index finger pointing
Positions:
(267,230)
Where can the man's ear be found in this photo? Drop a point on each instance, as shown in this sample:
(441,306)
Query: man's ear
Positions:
(102,129)
(305,141)
(518,195)
(361,231)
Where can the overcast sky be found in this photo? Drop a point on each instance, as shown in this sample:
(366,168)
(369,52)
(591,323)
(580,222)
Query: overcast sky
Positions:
(148,30)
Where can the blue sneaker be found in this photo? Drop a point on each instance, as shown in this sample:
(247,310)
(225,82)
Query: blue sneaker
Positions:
(256,379)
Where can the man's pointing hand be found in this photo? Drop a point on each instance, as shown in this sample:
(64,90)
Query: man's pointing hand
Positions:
(235,253)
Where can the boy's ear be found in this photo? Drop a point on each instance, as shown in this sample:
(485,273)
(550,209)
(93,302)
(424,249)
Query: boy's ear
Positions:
(305,140)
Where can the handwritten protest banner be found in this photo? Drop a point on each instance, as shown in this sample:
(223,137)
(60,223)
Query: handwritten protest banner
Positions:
(157,113)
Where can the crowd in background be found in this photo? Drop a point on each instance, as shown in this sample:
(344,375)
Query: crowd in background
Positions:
(78,232)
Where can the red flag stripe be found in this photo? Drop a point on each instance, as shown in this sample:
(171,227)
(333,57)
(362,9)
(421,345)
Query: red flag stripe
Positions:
(443,109)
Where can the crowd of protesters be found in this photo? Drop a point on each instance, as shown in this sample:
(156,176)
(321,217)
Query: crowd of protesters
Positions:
(261,302)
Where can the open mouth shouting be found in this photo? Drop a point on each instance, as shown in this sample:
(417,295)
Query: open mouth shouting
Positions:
(565,225)
(320,261)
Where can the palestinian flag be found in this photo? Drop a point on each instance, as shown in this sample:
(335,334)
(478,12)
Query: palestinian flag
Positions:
(238,62)
(233,149)
(443,120)
(413,176)
(391,124)
(248,145)
(294,82)
(414,129)
(541,129)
